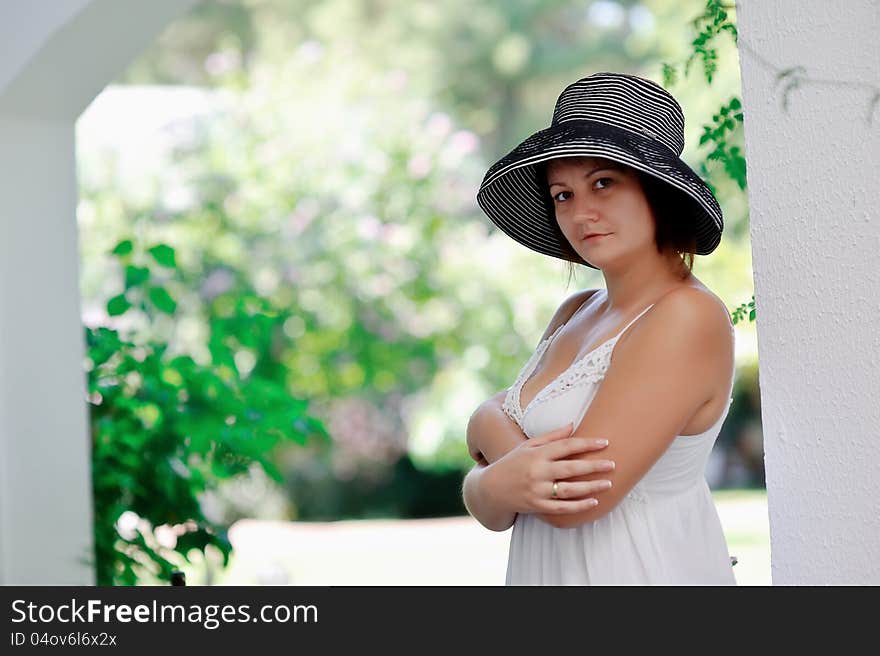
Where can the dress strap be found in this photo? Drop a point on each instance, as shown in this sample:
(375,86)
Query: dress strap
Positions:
(636,318)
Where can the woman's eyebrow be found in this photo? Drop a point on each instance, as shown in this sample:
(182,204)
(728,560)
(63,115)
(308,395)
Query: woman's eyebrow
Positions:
(610,167)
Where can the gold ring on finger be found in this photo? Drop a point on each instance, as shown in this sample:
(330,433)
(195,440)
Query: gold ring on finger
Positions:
(555,490)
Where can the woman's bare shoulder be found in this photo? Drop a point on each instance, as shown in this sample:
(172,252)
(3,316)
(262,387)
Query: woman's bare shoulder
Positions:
(699,295)
(698,313)
(566,309)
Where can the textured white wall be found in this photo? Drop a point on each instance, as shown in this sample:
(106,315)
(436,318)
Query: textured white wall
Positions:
(815,228)
(55,56)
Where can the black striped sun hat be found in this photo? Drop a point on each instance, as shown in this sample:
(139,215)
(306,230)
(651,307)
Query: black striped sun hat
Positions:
(616,116)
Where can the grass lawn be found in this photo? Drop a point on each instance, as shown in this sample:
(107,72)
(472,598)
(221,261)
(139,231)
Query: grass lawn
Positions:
(443,551)
(744,518)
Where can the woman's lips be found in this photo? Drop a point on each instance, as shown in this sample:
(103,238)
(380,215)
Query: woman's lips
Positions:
(595,237)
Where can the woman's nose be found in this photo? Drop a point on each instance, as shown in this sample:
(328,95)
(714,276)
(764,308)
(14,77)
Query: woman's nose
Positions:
(585,215)
(584,210)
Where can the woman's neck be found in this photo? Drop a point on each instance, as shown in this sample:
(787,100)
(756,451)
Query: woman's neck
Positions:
(643,283)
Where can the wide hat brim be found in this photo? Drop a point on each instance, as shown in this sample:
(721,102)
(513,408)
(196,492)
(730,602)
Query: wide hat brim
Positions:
(517,201)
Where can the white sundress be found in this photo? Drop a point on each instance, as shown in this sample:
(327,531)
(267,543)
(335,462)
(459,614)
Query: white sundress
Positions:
(666,531)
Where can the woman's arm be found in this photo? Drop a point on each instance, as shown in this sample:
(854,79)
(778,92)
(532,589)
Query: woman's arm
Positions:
(481,508)
(673,352)
(519,473)
(490,435)
(490,432)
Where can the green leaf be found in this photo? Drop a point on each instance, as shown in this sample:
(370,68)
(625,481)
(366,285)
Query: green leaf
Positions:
(273,472)
(197,539)
(162,300)
(164,255)
(670,75)
(117,305)
(122,248)
(135,276)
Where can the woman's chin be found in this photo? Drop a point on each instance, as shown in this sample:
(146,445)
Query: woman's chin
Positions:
(592,256)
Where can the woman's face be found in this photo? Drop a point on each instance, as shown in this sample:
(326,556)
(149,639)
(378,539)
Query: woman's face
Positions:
(596,196)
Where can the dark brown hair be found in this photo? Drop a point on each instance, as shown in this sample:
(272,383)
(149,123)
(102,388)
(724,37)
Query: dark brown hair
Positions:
(674,232)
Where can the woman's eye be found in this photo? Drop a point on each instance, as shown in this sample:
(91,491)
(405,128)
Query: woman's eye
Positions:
(605,183)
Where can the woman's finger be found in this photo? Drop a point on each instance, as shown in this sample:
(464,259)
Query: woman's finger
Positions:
(576,490)
(573,497)
(571,468)
(563,448)
(567,506)
(556,434)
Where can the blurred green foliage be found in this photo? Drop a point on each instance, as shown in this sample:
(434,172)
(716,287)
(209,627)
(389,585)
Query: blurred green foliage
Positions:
(725,134)
(166,429)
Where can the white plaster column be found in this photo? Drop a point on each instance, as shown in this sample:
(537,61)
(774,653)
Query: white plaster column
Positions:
(55,56)
(814,191)
(46,521)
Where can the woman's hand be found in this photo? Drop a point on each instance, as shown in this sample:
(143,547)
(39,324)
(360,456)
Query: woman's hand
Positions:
(522,480)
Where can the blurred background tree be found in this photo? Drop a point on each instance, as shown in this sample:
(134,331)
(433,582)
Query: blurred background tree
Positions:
(316,178)
(166,430)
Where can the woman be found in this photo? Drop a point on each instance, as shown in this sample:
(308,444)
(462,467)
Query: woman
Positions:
(647,363)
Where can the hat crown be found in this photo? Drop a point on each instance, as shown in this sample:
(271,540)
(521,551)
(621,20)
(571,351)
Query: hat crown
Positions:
(625,101)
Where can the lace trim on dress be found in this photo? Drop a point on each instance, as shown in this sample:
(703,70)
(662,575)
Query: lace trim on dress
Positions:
(586,371)
(590,368)
(510,409)
(511,405)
